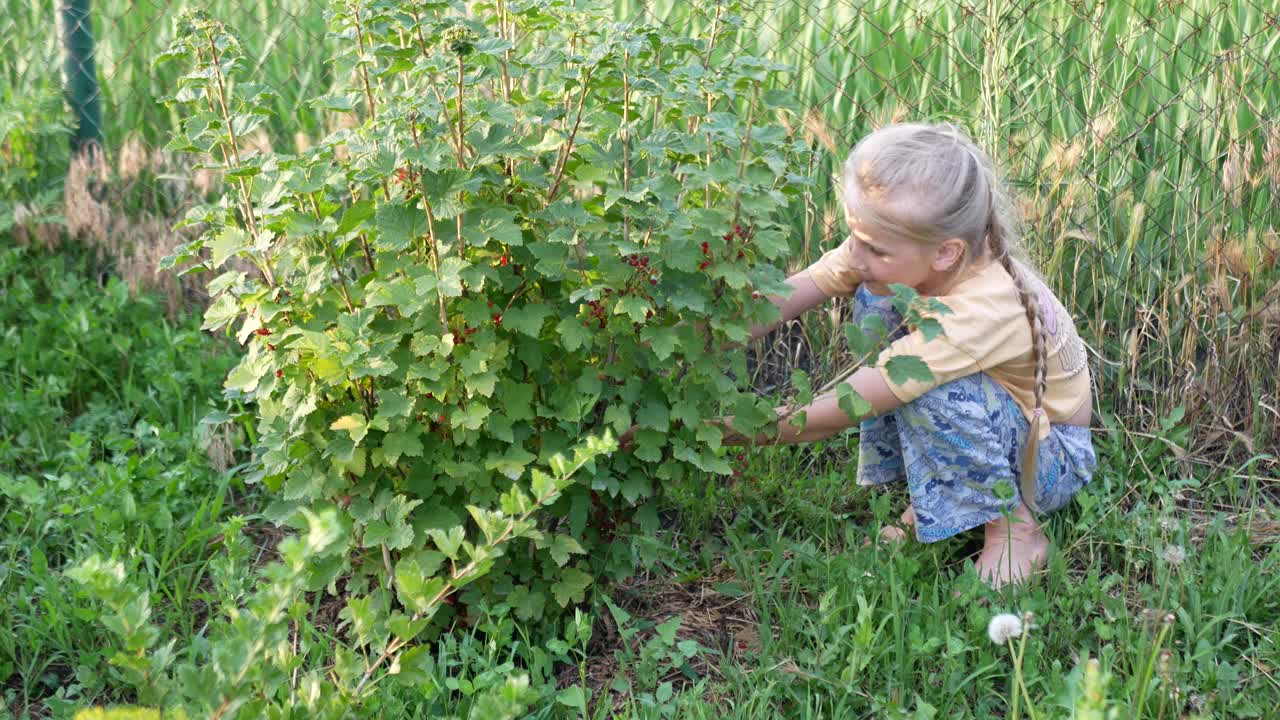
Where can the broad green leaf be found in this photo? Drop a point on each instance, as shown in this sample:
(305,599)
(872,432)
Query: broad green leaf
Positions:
(571,587)
(414,582)
(398,225)
(905,368)
(619,417)
(220,312)
(929,327)
(853,404)
(662,340)
(633,307)
(654,414)
(355,424)
(804,390)
(573,335)
(229,242)
(448,541)
(526,318)
(402,444)
(562,547)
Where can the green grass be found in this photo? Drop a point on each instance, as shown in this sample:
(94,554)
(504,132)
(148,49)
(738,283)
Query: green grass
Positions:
(848,630)
(101,451)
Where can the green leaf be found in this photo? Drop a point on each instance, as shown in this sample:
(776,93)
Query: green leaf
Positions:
(571,587)
(393,533)
(544,486)
(654,414)
(929,327)
(355,215)
(494,224)
(229,242)
(220,312)
(448,541)
(633,306)
(414,582)
(398,225)
(510,463)
(905,368)
(398,444)
(399,291)
(393,404)
(526,318)
(572,334)
(853,404)
(751,414)
(861,343)
(619,417)
(562,547)
(662,340)
(667,630)
(803,388)
(573,696)
(471,417)
(354,424)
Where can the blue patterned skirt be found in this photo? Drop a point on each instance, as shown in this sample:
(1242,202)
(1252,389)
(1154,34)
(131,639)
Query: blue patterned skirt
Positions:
(960,446)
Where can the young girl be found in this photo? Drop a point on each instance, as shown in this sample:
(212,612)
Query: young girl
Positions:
(1009,405)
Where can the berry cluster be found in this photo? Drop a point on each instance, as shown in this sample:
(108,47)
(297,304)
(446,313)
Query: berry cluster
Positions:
(405,178)
(597,313)
(737,233)
(641,265)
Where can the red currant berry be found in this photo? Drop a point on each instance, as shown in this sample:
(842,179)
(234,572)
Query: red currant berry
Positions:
(271,347)
(263,331)
(279,373)
(497,318)
(755,295)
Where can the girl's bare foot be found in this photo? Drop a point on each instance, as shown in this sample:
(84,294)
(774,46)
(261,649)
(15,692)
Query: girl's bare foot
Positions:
(896,534)
(1015,548)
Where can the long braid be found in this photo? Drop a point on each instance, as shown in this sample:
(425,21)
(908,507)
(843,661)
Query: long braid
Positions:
(998,245)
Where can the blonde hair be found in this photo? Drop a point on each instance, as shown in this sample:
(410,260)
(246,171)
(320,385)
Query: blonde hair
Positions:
(930,182)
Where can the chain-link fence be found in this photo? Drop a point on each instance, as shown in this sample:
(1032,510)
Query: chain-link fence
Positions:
(1142,138)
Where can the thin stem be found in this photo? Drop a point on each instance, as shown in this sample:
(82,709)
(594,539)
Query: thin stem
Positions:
(462,164)
(567,149)
(246,198)
(333,256)
(746,144)
(431,238)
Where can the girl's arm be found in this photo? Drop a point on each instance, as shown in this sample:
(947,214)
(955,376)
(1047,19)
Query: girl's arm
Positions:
(804,296)
(823,417)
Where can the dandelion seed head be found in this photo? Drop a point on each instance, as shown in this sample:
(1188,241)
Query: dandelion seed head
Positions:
(1003,628)
(1174,555)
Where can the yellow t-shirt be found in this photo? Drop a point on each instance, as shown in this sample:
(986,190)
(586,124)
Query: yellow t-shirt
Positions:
(987,331)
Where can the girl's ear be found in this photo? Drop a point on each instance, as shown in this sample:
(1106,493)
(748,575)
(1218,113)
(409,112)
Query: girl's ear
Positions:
(949,254)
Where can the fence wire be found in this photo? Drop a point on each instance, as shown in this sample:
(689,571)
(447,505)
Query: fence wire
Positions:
(1142,139)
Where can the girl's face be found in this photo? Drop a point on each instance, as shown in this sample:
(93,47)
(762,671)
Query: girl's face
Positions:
(885,261)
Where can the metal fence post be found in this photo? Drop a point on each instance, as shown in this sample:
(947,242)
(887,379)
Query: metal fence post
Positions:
(80,79)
